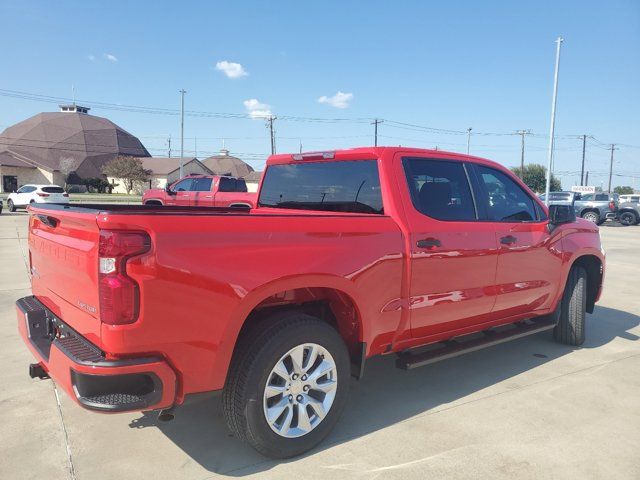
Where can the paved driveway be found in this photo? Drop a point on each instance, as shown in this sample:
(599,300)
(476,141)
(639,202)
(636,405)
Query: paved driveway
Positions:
(527,409)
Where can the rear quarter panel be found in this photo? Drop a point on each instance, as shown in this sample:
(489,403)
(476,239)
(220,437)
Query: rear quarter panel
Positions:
(205,274)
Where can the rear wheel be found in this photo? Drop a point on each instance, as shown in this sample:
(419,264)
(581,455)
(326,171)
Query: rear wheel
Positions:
(573,308)
(11,206)
(592,216)
(287,385)
(628,218)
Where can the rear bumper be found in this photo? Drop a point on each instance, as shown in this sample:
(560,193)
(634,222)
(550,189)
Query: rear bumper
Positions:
(84,372)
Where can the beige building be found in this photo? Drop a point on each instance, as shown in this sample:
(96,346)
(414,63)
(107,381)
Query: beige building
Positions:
(15,173)
(164,170)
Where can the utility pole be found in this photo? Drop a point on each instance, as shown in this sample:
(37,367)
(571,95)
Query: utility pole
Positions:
(182,92)
(169,149)
(584,148)
(375,123)
(559,41)
(300,145)
(273,137)
(522,133)
(586,179)
(613,147)
(468,139)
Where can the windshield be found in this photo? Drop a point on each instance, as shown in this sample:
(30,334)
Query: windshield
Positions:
(341,186)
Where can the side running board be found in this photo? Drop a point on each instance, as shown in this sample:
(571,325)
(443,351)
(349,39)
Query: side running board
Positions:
(408,360)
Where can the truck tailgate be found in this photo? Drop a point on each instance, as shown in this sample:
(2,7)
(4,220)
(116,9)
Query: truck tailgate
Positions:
(63,253)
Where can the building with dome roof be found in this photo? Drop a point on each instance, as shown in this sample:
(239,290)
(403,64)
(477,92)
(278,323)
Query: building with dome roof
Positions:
(48,146)
(225,164)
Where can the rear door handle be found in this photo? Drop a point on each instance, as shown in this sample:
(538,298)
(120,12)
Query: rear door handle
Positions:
(428,243)
(508,240)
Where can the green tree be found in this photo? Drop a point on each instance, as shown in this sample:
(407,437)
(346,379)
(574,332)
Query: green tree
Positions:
(623,190)
(535,177)
(127,169)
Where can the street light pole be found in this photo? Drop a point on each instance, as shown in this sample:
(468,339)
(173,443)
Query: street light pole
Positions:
(559,41)
(468,139)
(182,92)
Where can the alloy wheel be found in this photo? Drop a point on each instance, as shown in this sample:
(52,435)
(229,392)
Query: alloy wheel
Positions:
(300,390)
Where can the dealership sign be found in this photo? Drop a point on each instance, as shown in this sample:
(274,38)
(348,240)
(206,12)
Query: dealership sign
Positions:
(583,189)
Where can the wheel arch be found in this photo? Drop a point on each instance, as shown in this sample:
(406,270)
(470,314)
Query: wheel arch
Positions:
(630,210)
(153,201)
(331,299)
(594,267)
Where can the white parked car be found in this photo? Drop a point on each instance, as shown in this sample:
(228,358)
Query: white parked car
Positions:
(28,194)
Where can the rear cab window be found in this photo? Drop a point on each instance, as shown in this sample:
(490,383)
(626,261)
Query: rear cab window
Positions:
(53,189)
(339,186)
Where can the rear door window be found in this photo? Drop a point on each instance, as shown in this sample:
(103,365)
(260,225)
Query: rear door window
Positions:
(339,186)
(503,198)
(440,189)
(227,184)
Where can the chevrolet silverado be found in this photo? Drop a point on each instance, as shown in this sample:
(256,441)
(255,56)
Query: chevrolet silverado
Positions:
(419,254)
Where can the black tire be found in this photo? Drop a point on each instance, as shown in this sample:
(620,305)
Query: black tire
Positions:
(570,327)
(628,219)
(593,216)
(11,206)
(257,353)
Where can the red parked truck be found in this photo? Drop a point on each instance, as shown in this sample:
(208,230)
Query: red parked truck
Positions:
(348,254)
(202,191)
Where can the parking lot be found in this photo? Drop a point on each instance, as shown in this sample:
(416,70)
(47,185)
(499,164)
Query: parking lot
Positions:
(530,408)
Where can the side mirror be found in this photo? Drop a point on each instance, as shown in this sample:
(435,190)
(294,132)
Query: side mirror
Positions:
(559,214)
(167,188)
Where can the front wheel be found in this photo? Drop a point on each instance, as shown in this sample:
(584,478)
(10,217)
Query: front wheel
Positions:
(573,308)
(287,385)
(592,216)
(627,219)
(11,206)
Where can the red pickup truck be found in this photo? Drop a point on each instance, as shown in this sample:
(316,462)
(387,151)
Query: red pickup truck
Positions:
(202,191)
(419,254)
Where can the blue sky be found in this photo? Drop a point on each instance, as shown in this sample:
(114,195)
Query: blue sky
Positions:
(448,65)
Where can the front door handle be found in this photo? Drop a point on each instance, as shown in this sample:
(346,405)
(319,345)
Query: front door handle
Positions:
(508,240)
(428,243)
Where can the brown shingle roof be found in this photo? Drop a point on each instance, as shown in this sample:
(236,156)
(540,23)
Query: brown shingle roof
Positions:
(167,165)
(84,142)
(226,164)
(7,159)
(253,177)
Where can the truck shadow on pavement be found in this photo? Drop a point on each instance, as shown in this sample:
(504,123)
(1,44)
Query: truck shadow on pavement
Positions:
(387,395)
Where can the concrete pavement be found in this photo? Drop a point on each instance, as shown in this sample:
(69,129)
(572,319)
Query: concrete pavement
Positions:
(526,409)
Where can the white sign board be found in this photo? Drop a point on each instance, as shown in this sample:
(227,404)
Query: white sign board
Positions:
(583,189)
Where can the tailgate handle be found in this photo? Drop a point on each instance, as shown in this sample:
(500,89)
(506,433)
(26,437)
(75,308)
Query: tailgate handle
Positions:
(48,220)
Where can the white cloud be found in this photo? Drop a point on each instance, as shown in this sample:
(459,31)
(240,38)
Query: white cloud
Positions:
(339,100)
(256,109)
(231,69)
(92,58)
(111,57)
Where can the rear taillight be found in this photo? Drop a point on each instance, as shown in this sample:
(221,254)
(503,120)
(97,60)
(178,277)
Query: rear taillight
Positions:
(41,194)
(612,205)
(65,194)
(119,294)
